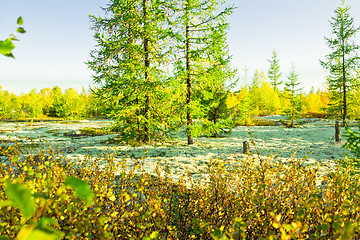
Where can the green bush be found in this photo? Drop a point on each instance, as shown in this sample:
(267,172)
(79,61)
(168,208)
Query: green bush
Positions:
(247,198)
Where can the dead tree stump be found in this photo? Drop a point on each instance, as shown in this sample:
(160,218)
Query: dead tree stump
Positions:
(337,131)
(246,147)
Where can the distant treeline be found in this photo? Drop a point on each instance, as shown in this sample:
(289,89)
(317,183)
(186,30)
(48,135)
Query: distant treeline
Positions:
(255,99)
(48,102)
(260,98)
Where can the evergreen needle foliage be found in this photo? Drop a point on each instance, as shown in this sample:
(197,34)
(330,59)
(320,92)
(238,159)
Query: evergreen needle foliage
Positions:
(202,67)
(292,90)
(139,43)
(129,65)
(274,73)
(342,61)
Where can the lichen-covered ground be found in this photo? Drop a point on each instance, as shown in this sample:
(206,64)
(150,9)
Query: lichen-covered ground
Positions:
(313,139)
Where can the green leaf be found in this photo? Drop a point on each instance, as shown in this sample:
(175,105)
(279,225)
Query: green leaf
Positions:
(6,203)
(6,47)
(20,21)
(21,30)
(81,188)
(154,235)
(9,55)
(44,222)
(31,233)
(22,197)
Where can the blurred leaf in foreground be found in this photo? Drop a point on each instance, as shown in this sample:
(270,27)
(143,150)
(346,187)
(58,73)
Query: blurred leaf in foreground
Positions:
(22,198)
(81,188)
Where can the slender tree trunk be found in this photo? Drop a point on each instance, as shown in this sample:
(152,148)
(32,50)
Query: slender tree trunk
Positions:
(188,79)
(147,65)
(344,89)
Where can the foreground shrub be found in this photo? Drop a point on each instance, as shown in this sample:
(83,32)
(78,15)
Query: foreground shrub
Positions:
(248,198)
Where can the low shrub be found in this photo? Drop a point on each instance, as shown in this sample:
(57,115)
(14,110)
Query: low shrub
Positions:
(255,122)
(288,123)
(247,198)
(88,131)
(263,122)
(322,115)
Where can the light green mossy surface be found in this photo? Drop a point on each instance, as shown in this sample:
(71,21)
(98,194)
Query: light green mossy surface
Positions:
(313,140)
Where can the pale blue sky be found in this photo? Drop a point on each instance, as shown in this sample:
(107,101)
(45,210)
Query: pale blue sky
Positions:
(59,39)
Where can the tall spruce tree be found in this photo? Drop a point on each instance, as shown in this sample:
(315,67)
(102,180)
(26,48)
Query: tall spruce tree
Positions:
(274,73)
(201,34)
(343,59)
(129,66)
(292,89)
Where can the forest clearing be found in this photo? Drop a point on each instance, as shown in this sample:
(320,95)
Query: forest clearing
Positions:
(313,139)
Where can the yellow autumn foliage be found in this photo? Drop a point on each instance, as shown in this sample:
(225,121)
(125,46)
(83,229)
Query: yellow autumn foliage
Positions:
(313,103)
(262,99)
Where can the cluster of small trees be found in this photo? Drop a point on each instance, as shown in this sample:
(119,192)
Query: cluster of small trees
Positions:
(340,100)
(269,94)
(262,97)
(160,64)
(47,103)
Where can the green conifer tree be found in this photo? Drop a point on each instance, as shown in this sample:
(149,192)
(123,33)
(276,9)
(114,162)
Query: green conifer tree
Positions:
(129,65)
(274,73)
(201,33)
(296,102)
(343,59)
